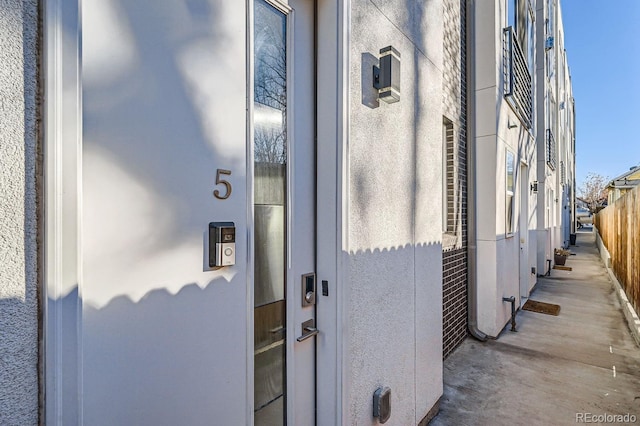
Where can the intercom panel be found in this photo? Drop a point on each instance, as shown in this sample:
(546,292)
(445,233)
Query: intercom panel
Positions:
(222,244)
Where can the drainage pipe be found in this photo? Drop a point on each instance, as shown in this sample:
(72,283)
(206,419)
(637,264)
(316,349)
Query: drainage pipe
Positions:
(548,274)
(472,250)
(512,300)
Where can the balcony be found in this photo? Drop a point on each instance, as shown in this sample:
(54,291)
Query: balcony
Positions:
(550,145)
(517,79)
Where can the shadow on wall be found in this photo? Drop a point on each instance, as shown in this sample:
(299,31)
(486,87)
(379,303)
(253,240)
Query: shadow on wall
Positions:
(18,360)
(395,329)
(152,362)
(156,125)
(152,101)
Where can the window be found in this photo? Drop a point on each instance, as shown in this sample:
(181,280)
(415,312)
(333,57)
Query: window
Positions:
(451,191)
(510,184)
(550,142)
(550,17)
(518,58)
(521,17)
(551,149)
(511,13)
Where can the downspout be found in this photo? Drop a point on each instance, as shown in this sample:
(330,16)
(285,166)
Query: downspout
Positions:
(472,250)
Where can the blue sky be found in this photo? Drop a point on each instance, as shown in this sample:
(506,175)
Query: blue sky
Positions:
(602,40)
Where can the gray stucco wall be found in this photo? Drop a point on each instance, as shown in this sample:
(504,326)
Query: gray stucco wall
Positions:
(18,228)
(394,335)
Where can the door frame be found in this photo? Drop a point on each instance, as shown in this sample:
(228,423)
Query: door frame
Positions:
(332,192)
(61,301)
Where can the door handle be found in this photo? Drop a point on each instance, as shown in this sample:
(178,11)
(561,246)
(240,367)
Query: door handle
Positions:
(308,330)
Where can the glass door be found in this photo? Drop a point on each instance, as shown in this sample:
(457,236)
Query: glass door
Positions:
(270,202)
(284,212)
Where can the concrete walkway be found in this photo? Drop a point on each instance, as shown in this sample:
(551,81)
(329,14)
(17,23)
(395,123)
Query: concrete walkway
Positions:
(555,368)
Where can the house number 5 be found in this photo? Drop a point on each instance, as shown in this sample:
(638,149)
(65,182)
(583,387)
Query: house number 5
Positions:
(221,181)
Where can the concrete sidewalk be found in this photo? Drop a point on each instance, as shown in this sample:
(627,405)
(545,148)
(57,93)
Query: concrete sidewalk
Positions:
(555,367)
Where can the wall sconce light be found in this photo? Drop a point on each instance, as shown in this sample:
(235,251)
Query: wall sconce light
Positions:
(386,77)
(534,186)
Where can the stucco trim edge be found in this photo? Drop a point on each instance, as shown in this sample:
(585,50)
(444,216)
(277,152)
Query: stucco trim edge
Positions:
(61,301)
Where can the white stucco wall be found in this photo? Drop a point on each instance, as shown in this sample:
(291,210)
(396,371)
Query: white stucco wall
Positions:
(394,266)
(18,228)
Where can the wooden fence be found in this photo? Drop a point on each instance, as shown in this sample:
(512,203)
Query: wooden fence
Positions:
(619,227)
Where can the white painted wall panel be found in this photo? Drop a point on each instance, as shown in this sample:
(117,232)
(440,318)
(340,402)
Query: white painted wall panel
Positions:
(486,163)
(164,99)
(487,291)
(486,115)
(487,46)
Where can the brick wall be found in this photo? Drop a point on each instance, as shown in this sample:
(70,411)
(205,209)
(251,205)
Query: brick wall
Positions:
(454,261)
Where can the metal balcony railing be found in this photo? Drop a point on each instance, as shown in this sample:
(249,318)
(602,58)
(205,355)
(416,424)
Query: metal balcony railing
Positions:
(551,149)
(517,79)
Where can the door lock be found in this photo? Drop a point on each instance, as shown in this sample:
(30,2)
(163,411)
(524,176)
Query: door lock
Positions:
(308,289)
(309,297)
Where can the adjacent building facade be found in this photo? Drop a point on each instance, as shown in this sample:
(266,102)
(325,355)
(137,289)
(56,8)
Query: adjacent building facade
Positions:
(556,138)
(520,156)
(266,212)
(503,136)
(622,184)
